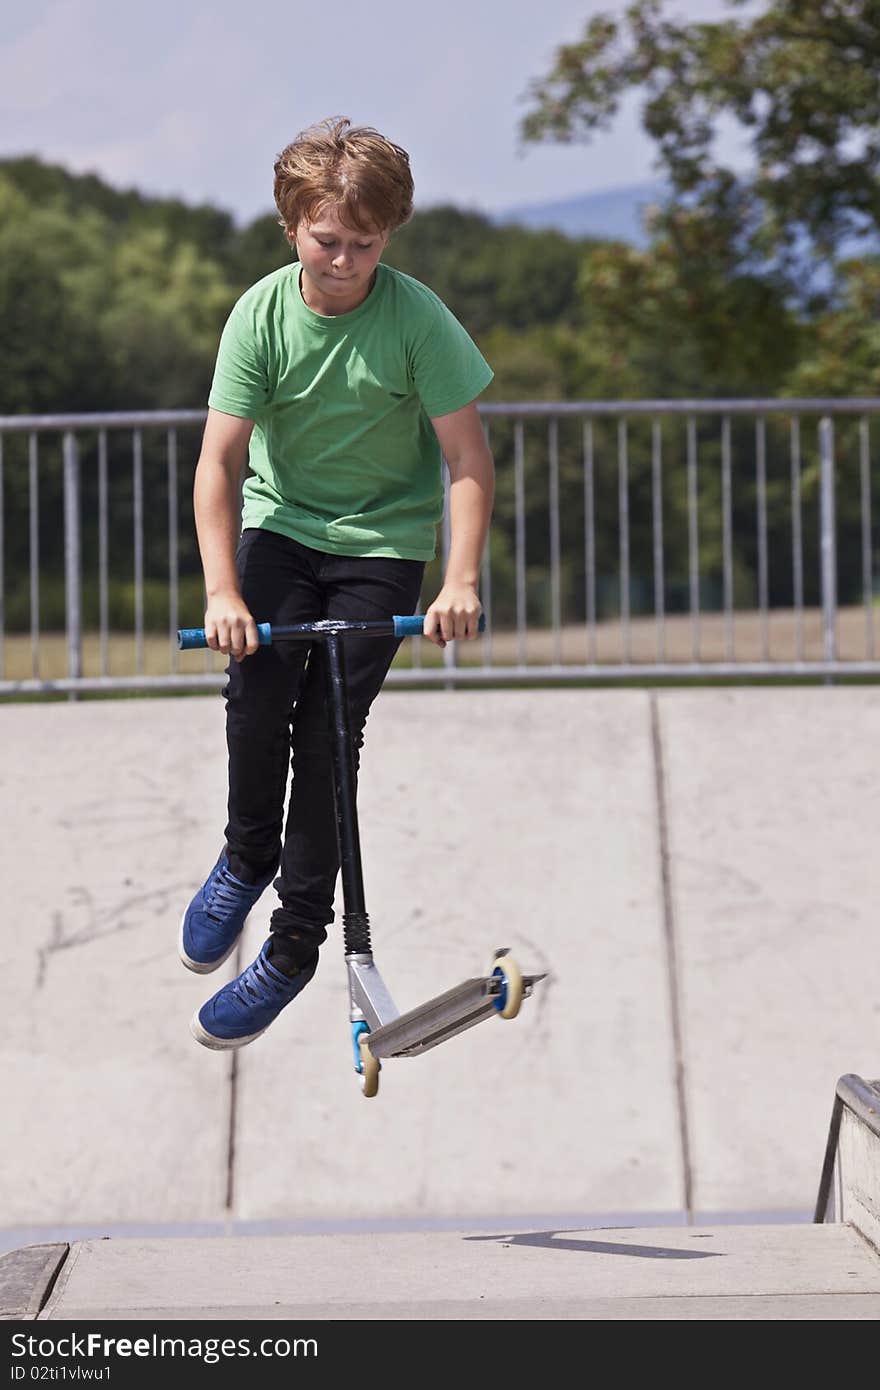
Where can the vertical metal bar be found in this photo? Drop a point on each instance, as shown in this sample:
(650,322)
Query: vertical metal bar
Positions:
(2,574)
(727,536)
(797,542)
(657,519)
(519,470)
(761,484)
(828,539)
(450,651)
(138,503)
(34,550)
(173,562)
(623,533)
(445,527)
(416,646)
(486,600)
(209,655)
(693,537)
(590,543)
(103,547)
(486,584)
(867,557)
(72,549)
(827,1174)
(555,567)
(417,643)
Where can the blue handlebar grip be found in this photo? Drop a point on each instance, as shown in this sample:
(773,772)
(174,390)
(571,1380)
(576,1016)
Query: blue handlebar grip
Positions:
(195,636)
(415,626)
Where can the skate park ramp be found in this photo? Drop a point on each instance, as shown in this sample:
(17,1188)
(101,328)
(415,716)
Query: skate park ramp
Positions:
(692,868)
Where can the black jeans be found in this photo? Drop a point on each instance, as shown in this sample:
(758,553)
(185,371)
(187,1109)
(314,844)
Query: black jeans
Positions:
(276,709)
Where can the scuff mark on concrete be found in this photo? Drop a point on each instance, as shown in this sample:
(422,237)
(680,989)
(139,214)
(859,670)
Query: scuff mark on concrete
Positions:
(106,921)
(56,935)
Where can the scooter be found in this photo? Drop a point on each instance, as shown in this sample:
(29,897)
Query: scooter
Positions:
(378,1029)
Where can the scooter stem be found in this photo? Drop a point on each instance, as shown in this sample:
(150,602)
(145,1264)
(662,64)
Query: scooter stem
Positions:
(356,922)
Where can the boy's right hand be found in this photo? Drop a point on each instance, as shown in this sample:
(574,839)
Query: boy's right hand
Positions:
(229,626)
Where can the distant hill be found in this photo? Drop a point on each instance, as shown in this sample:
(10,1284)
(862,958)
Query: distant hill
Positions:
(614,214)
(617,214)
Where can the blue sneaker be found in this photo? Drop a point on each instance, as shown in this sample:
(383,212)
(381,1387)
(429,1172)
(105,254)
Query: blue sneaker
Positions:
(214,919)
(243,1009)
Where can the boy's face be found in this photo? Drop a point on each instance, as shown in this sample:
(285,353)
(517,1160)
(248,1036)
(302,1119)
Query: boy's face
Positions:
(337,262)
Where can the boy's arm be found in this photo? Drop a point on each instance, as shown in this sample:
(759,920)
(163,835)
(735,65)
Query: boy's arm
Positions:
(456,609)
(229,626)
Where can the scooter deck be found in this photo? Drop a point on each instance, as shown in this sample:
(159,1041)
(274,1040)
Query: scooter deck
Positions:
(440,1018)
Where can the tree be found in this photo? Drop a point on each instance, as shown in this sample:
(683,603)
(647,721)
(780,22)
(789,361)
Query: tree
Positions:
(161,318)
(210,229)
(841,355)
(488,274)
(49,360)
(257,250)
(803,80)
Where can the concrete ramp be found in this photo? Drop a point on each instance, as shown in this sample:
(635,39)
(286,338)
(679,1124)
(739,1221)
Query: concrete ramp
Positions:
(695,870)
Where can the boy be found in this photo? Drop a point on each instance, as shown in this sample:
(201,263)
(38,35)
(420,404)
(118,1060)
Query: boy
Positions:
(340,382)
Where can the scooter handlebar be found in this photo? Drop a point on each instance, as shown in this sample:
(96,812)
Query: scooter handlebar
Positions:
(195,636)
(414,626)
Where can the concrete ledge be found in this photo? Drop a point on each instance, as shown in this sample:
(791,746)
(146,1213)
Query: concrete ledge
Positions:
(26,1278)
(597,1273)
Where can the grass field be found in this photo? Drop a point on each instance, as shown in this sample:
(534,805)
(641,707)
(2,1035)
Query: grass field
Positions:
(680,640)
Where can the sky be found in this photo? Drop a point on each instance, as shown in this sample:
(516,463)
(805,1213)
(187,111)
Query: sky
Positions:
(195,100)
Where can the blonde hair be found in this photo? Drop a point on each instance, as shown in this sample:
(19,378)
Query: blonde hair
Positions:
(353,169)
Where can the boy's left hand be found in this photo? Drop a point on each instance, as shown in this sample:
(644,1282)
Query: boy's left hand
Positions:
(455,613)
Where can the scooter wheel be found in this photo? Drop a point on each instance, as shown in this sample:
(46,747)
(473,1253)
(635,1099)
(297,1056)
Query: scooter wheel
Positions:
(508,1004)
(369,1068)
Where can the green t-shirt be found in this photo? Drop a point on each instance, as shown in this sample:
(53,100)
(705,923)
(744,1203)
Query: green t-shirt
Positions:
(343,456)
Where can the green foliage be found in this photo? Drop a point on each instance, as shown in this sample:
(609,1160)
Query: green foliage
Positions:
(688,317)
(801,79)
(844,359)
(258,249)
(46,347)
(121,604)
(490,275)
(161,318)
(208,228)
(100,314)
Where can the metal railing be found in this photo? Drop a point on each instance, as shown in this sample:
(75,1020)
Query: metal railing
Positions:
(631,540)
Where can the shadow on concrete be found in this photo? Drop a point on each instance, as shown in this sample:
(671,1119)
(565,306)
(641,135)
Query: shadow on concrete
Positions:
(549,1240)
